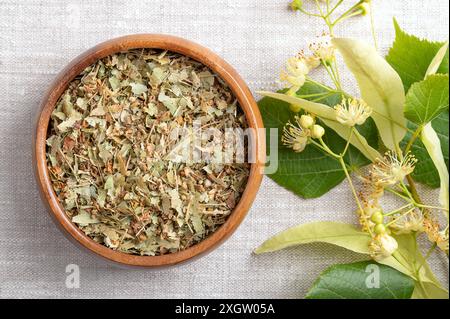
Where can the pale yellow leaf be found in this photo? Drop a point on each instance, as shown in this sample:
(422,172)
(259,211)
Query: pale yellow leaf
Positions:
(381,88)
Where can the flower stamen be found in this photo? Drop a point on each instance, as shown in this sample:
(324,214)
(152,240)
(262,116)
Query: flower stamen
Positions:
(352,112)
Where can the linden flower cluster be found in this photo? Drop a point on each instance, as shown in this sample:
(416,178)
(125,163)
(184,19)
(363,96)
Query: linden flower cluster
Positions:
(298,67)
(386,172)
(296,136)
(382,245)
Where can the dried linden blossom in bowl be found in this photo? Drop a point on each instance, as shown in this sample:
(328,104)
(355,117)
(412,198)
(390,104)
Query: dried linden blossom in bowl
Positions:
(110,152)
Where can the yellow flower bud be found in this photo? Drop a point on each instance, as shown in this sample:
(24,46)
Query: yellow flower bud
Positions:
(306,121)
(296,5)
(364,8)
(295,108)
(380,229)
(377,217)
(317,131)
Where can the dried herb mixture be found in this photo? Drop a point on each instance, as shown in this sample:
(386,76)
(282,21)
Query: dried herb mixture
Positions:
(108,147)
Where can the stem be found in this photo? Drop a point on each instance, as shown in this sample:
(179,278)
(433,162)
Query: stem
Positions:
(416,134)
(309,13)
(336,72)
(348,13)
(326,148)
(414,193)
(334,8)
(332,75)
(319,8)
(344,167)
(326,152)
(372,25)
(431,207)
(401,216)
(390,190)
(348,142)
(397,210)
(321,85)
(348,16)
(406,190)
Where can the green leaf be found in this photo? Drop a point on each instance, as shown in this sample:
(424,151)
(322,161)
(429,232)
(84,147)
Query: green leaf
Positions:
(354,281)
(425,171)
(381,88)
(397,265)
(411,57)
(84,218)
(138,88)
(433,145)
(339,234)
(311,173)
(427,99)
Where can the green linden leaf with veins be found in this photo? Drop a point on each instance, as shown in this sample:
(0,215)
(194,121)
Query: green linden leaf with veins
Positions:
(311,173)
(427,99)
(411,57)
(360,281)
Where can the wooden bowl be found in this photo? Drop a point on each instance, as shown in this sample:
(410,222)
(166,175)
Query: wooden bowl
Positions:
(125,43)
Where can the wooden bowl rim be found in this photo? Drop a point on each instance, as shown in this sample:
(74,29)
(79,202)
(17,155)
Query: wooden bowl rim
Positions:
(157,41)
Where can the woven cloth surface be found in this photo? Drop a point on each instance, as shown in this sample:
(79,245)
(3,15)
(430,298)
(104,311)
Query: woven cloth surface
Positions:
(38,38)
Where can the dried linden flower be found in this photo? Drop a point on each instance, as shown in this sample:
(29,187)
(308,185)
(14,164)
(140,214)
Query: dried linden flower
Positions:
(409,223)
(112,144)
(440,237)
(390,170)
(323,49)
(382,247)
